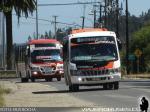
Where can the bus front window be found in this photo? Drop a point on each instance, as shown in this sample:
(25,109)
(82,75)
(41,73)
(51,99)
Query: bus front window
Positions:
(94,52)
(46,55)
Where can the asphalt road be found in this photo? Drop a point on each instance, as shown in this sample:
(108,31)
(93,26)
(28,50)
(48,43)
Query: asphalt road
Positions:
(127,97)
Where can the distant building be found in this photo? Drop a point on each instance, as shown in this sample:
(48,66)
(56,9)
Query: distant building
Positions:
(2,41)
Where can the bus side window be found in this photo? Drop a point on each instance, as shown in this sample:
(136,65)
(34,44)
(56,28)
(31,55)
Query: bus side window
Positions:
(119,44)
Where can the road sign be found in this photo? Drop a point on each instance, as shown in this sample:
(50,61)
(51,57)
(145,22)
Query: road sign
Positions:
(131,57)
(138,52)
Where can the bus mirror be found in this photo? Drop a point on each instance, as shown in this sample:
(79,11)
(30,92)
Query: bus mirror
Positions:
(27,54)
(119,44)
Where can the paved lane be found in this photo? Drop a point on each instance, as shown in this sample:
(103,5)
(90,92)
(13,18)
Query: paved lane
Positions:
(128,95)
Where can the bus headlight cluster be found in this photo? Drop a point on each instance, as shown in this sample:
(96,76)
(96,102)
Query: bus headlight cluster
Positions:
(59,67)
(35,68)
(73,66)
(79,79)
(75,72)
(35,73)
(114,71)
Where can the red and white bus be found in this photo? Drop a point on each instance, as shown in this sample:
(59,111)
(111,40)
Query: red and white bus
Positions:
(43,60)
(91,57)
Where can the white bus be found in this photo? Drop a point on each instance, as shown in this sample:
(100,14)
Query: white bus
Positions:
(91,57)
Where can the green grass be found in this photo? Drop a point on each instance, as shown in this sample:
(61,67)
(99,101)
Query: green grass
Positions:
(7,74)
(3,91)
(1,101)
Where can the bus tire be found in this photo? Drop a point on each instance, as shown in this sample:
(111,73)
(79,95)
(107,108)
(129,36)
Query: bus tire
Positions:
(48,79)
(74,88)
(110,86)
(58,78)
(105,86)
(32,79)
(116,85)
(24,80)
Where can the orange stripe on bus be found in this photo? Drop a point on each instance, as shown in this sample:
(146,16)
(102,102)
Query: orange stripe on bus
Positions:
(88,30)
(109,65)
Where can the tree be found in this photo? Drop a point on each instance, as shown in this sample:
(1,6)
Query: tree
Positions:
(25,7)
(50,34)
(42,36)
(141,40)
(46,35)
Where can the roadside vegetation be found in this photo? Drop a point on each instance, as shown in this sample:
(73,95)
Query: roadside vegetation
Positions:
(8,74)
(139,40)
(2,92)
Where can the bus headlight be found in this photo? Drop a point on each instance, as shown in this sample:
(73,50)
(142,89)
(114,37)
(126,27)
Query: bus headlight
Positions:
(35,68)
(79,79)
(59,67)
(114,71)
(35,73)
(73,66)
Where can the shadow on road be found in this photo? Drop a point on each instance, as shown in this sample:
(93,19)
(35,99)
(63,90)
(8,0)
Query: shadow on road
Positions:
(135,87)
(67,91)
(136,84)
(147,80)
(38,81)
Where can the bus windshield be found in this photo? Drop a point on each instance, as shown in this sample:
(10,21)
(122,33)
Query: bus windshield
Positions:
(93,51)
(45,55)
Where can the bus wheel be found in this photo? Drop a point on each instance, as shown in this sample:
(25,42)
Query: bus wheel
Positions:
(32,79)
(48,79)
(105,86)
(110,86)
(24,79)
(116,85)
(74,88)
(58,78)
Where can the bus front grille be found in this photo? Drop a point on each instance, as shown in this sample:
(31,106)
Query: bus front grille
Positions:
(94,72)
(89,72)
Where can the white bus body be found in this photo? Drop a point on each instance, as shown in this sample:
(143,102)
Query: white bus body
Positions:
(91,57)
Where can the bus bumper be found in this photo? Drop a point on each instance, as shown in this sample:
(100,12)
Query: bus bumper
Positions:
(39,75)
(95,80)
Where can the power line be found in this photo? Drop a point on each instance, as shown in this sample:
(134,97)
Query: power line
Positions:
(55,23)
(30,23)
(37,27)
(70,24)
(78,3)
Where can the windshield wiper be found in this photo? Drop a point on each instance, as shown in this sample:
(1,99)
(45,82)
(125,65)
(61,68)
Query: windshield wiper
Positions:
(38,60)
(103,58)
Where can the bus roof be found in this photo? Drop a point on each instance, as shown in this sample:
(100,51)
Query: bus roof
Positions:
(42,41)
(88,30)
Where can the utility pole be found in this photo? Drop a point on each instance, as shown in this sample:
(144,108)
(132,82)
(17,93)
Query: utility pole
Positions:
(94,18)
(94,8)
(37,19)
(55,27)
(100,14)
(117,20)
(127,39)
(105,11)
(83,18)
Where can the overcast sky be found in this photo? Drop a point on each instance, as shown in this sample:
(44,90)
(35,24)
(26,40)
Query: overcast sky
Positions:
(67,14)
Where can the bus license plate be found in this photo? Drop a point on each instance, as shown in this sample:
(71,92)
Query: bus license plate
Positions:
(48,70)
(96,79)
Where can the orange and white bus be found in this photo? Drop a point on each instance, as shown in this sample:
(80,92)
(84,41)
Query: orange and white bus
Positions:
(91,57)
(43,60)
